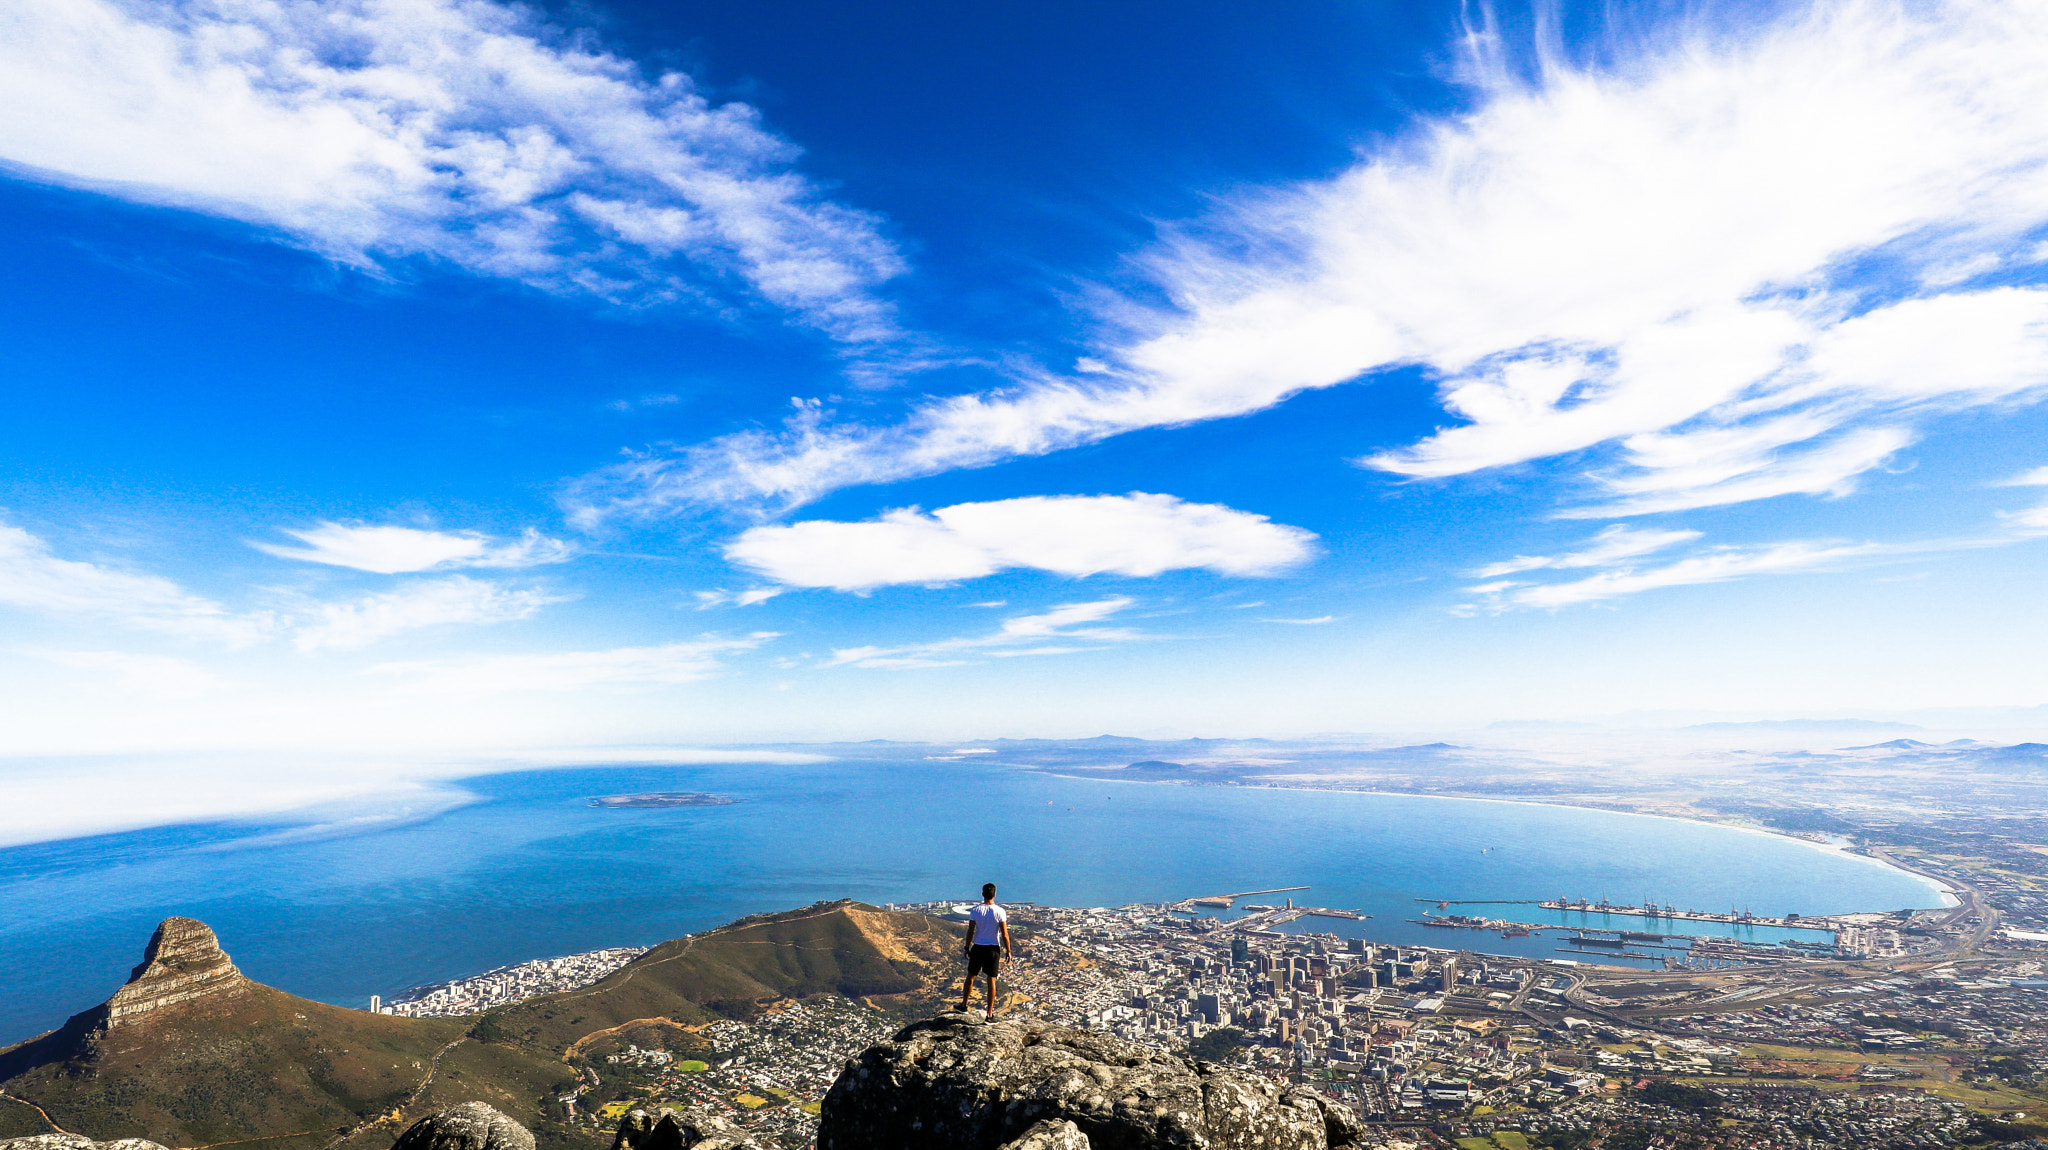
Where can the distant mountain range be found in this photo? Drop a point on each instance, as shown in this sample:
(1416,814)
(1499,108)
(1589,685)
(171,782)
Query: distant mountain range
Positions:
(1816,726)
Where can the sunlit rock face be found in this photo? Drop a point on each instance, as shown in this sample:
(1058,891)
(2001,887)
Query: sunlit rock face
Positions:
(469,1126)
(184,963)
(75,1142)
(687,1128)
(957,1083)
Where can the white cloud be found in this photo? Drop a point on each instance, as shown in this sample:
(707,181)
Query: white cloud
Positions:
(722,598)
(1693,247)
(2038,477)
(457,130)
(1136,534)
(426,603)
(1064,630)
(1318,621)
(160,676)
(2028,523)
(1616,548)
(669,663)
(1609,547)
(1716,566)
(34,579)
(390,550)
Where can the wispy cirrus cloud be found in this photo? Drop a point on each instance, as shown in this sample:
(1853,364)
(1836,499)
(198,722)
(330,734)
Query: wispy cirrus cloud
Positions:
(460,131)
(719,597)
(386,550)
(1617,553)
(34,579)
(665,664)
(1609,547)
(457,599)
(1136,534)
(1714,274)
(1715,565)
(1064,630)
(2037,477)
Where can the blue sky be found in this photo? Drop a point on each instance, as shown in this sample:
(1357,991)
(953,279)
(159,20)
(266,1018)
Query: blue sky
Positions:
(389,375)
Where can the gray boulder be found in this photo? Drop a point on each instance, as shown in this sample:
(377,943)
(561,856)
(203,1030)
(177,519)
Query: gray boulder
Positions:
(75,1142)
(1050,1135)
(469,1126)
(687,1129)
(956,1083)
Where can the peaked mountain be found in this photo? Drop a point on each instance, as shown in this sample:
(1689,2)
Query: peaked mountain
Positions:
(190,1052)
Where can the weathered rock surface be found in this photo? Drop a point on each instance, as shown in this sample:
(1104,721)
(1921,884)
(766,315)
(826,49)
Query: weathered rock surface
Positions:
(184,962)
(686,1129)
(75,1142)
(470,1126)
(1050,1135)
(956,1083)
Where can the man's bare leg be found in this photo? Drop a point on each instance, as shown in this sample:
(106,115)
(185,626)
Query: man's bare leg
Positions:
(967,993)
(991,997)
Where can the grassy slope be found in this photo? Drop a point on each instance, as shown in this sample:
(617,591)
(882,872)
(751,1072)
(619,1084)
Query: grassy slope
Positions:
(270,1071)
(837,948)
(260,1063)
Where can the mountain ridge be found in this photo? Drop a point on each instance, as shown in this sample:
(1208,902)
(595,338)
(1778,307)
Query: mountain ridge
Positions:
(190,1052)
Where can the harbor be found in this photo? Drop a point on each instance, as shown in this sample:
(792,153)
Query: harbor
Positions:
(1652,910)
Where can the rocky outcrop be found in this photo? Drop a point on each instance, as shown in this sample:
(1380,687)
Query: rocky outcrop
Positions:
(75,1142)
(686,1129)
(470,1126)
(184,963)
(956,1083)
(1050,1135)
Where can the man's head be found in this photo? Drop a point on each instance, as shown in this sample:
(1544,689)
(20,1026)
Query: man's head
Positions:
(988,892)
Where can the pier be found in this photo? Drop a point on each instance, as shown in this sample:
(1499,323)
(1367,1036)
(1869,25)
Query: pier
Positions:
(1225,900)
(1652,910)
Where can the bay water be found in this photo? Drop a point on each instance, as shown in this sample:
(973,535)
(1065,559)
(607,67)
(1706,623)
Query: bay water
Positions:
(526,867)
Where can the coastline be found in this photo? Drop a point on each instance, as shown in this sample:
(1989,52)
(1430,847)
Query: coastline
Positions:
(1939,888)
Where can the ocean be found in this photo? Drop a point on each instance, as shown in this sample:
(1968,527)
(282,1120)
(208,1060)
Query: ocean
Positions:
(527,868)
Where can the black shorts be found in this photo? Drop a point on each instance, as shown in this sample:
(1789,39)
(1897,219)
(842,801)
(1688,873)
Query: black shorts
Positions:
(983,960)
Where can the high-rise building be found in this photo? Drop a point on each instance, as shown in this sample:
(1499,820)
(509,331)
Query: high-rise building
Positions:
(376,1005)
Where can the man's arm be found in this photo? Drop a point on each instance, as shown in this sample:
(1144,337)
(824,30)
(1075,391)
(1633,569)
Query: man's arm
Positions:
(1004,927)
(968,942)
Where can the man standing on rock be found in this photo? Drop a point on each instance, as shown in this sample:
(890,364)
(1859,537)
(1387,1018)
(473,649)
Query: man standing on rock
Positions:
(988,943)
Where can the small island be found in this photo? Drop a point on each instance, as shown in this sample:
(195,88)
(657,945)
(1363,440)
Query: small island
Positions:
(662,799)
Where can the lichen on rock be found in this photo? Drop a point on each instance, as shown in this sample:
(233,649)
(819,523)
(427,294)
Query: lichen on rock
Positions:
(75,1142)
(469,1126)
(954,1082)
(1050,1135)
(668,1128)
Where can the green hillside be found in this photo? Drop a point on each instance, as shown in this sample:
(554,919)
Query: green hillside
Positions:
(837,948)
(245,1064)
(260,1064)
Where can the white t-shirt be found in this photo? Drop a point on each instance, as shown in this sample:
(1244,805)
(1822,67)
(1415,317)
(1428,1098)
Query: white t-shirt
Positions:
(988,919)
